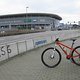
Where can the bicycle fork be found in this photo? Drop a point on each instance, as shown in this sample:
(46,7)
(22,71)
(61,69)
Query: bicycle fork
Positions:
(79,57)
(53,54)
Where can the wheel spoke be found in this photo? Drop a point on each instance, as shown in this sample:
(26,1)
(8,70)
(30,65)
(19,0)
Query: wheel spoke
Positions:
(51,57)
(76,56)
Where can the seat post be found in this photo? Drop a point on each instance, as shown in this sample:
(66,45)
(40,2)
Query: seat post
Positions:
(72,44)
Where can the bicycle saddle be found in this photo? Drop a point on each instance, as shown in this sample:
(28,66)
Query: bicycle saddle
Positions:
(73,39)
(57,39)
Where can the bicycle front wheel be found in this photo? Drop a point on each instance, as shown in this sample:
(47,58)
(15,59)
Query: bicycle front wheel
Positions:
(76,56)
(51,57)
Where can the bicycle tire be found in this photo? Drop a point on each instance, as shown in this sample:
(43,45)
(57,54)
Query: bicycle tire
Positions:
(73,53)
(58,54)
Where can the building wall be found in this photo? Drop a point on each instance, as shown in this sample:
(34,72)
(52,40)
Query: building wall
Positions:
(79,23)
(44,22)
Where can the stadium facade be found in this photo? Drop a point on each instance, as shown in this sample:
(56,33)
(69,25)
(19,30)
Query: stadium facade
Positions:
(29,20)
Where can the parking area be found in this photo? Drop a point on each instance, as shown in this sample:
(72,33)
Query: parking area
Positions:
(28,66)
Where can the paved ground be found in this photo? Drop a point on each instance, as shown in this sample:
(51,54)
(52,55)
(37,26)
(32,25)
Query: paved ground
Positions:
(16,38)
(29,67)
(8,39)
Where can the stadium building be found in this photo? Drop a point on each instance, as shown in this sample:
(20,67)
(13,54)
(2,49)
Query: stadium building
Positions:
(29,20)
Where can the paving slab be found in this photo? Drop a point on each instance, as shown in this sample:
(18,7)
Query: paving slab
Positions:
(29,67)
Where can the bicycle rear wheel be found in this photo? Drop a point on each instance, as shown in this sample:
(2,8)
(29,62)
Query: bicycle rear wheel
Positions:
(76,60)
(51,57)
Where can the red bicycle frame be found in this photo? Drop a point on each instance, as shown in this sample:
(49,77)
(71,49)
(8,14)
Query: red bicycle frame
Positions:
(68,55)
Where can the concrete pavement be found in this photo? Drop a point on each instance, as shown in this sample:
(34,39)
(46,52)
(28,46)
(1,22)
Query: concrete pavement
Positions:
(28,66)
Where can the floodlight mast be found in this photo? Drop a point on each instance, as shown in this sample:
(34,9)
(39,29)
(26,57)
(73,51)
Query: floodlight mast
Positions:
(26,15)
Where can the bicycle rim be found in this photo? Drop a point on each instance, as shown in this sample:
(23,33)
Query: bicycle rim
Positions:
(76,60)
(50,57)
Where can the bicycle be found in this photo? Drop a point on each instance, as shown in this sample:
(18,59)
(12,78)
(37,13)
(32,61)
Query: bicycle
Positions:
(51,57)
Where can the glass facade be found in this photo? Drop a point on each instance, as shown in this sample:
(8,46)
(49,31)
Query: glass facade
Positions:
(38,22)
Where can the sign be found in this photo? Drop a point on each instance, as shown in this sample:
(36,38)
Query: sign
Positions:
(27,20)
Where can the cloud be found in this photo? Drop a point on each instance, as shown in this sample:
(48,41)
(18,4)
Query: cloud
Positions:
(70,17)
(77,4)
(12,6)
(67,9)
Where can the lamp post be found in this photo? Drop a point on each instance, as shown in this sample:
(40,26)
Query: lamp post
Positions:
(26,15)
(26,8)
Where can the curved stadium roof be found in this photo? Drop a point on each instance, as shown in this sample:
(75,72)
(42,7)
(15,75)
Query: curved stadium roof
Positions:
(31,14)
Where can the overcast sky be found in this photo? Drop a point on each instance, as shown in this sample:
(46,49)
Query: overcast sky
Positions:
(69,10)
